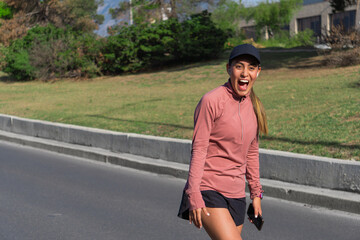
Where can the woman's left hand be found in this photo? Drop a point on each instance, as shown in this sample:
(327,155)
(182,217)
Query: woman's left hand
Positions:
(257,206)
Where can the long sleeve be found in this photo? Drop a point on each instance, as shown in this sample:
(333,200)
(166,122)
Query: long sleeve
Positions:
(224,141)
(253,169)
(203,122)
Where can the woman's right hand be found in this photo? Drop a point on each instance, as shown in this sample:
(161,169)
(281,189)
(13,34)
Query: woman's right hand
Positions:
(195,216)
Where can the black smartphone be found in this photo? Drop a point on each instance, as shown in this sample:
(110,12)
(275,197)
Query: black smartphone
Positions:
(259,221)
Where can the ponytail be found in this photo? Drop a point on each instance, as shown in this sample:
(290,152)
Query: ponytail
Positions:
(259,112)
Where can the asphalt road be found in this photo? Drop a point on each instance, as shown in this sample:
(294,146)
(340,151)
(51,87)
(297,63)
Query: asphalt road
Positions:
(46,195)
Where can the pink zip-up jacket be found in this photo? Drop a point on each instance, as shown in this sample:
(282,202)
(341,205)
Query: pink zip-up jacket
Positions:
(225,147)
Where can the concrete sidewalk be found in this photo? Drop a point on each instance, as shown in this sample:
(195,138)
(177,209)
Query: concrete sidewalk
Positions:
(324,182)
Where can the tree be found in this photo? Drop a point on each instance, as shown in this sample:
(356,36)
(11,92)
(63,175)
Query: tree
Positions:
(340,5)
(78,14)
(81,14)
(271,17)
(140,11)
(156,10)
(228,14)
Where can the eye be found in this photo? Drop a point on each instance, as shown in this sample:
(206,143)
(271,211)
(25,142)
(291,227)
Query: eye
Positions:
(252,68)
(238,67)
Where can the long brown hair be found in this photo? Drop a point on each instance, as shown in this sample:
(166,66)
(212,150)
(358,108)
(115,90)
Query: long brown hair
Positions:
(259,112)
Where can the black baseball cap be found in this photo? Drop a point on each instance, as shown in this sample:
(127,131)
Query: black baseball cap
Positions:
(244,49)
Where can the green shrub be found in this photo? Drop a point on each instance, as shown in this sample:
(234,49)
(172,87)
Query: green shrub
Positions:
(18,64)
(199,38)
(158,44)
(143,46)
(280,39)
(121,52)
(5,11)
(50,52)
(304,38)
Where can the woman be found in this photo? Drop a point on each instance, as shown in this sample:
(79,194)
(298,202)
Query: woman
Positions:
(225,149)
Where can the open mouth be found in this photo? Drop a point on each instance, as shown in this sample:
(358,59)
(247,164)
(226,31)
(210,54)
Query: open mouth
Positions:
(243,84)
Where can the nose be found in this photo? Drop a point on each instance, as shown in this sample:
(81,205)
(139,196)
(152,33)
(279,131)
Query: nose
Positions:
(245,72)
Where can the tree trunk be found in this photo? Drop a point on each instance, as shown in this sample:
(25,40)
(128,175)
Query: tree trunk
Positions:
(173,9)
(266,33)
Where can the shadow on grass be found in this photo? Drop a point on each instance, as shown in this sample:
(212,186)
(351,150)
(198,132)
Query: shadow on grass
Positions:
(8,79)
(141,122)
(188,66)
(133,104)
(355,84)
(270,59)
(292,60)
(323,143)
(175,66)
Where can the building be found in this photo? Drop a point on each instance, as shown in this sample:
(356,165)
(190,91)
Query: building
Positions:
(316,15)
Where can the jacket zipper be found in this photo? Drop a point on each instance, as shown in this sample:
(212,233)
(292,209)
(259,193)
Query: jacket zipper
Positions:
(242,130)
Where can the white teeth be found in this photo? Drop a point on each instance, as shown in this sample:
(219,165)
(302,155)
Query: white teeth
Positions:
(244,81)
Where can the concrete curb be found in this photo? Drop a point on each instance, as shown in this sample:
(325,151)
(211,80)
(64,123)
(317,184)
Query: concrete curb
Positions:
(310,170)
(97,154)
(277,165)
(295,177)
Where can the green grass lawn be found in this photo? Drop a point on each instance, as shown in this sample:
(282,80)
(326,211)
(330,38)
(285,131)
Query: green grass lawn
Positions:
(311,109)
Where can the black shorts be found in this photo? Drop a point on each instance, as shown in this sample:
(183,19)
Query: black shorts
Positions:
(213,199)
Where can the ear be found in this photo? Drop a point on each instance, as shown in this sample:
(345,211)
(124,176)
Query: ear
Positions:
(259,70)
(228,69)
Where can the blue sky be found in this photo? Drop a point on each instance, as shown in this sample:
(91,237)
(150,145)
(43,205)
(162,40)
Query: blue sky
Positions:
(104,10)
